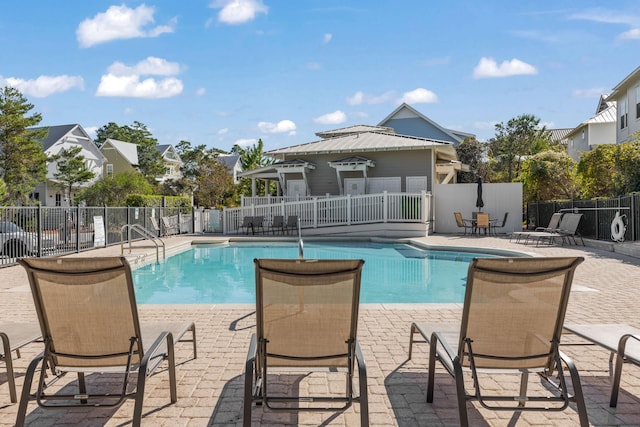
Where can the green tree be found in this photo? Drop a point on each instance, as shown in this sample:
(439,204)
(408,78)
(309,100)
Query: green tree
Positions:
(22,159)
(150,160)
(519,138)
(251,158)
(113,191)
(473,153)
(71,170)
(548,175)
(610,170)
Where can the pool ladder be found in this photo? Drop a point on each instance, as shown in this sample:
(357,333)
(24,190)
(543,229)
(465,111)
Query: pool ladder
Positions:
(125,232)
(300,242)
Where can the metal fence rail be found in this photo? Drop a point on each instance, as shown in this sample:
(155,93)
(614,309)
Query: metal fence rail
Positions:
(49,231)
(598,215)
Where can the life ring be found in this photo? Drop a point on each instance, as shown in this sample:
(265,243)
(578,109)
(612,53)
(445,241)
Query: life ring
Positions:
(618,228)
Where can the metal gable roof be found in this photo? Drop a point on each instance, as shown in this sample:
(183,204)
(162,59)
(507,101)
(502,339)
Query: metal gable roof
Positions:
(363,142)
(354,129)
(55,134)
(128,150)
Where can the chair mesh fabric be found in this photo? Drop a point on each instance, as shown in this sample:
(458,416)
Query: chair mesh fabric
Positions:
(307,310)
(88,310)
(514,311)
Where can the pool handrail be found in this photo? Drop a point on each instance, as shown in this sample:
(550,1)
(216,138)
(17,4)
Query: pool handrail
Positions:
(300,242)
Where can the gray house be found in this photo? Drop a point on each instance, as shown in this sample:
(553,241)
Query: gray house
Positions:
(627,97)
(597,130)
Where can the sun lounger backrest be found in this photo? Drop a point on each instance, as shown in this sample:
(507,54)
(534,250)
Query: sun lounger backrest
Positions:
(87,309)
(570,223)
(307,310)
(514,310)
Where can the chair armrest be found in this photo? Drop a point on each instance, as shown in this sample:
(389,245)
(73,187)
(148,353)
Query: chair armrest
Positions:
(151,352)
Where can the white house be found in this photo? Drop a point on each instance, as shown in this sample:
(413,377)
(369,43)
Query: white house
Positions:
(627,97)
(172,162)
(50,192)
(597,130)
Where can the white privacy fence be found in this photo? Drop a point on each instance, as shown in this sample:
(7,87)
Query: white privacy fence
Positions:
(337,211)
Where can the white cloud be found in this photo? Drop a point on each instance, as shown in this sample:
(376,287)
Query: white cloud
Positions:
(588,93)
(127,81)
(283,126)
(360,97)
(91,130)
(151,65)
(418,96)
(485,125)
(334,118)
(327,38)
(436,61)
(606,16)
(128,111)
(120,22)
(44,86)
(488,67)
(238,11)
(245,142)
(223,131)
(201,91)
(632,34)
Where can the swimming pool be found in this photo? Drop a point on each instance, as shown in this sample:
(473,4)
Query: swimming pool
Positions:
(224,274)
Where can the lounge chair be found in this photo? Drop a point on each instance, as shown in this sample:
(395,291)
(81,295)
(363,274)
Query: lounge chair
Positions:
(89,322)
(155,226)
(466,224)
(511,322)
(567,230)
(623,340)
(168,228)
(554,222)
(14,336)
(306,319)
(292,224)
(277,224)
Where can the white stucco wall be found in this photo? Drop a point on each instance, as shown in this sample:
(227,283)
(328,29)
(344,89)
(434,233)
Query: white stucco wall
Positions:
(498,199)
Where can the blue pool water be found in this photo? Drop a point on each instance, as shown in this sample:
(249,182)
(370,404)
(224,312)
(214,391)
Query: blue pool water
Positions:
(224,274)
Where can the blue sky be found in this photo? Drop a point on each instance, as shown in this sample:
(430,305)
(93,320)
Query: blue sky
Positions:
(221,72)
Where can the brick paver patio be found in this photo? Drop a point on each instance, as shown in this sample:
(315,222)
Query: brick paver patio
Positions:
(210,388)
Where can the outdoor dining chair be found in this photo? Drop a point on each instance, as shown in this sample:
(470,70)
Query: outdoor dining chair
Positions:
(511,323)
(88,317)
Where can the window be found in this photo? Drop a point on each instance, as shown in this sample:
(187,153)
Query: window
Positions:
(58,199)
(109,170)
(623,114)
(638,102)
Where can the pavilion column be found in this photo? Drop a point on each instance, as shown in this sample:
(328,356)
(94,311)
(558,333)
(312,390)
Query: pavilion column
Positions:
(253,187)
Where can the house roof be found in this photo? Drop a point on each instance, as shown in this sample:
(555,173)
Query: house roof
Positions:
(128,150)
(229,161)
(367,142)
(559,134)
(607,115)
(162,148)
(456,136)
(354,129)
(55,134)
(633,77)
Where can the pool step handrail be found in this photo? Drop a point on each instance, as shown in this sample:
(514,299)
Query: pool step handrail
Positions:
(300,242)
(146,234)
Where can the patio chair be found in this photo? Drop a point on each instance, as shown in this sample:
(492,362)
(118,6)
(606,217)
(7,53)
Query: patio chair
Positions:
(306,320)
(482,223)
(466,224)
(512,320)
(496,225)
(89,323)
(621,340)
(277,224)
(14,336)
(292,224)
(155,227)
(247,223)
(566,232)
(257,224)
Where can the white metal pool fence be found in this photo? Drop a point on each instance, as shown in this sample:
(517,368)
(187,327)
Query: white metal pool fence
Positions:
(337,210)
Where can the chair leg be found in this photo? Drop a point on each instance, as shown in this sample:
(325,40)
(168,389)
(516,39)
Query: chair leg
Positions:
(577,390)
(249,368)
(26,389)
(431,374)
(462,397)
(6,349)
(364,394)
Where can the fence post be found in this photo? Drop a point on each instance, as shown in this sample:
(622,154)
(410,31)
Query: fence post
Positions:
(39,230)
(315,213)
(348,209)
(77,222)
(385,206)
